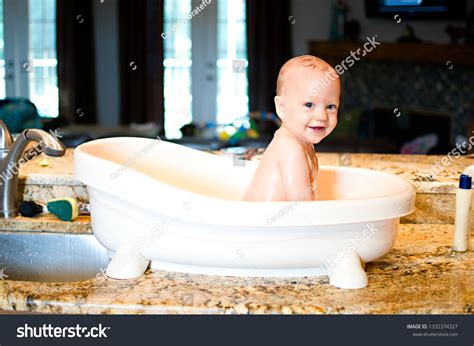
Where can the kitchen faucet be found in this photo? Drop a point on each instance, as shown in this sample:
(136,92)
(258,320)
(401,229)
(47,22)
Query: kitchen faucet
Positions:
(11,151)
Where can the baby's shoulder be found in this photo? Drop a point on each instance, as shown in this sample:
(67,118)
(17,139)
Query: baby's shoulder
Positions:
(287,143)
(288,150)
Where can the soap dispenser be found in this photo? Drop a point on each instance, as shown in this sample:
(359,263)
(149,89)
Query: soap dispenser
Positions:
(463,211)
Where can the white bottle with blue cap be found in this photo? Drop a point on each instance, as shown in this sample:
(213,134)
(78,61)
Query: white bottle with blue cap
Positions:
(463,211)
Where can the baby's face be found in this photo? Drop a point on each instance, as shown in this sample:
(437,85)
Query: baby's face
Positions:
(307,112)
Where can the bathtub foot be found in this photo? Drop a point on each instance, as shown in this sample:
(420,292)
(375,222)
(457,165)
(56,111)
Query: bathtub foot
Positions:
(348,271)
(127,263)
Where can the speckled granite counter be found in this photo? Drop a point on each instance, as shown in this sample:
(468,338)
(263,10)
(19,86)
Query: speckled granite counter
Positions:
(59,171)
(426,172)
(420,275)
(44,178)
(435,181)
(47,170)
(47,223)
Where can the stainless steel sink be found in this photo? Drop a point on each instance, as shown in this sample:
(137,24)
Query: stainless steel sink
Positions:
(50,257)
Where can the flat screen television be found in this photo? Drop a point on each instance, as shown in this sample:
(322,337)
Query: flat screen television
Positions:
(416,9)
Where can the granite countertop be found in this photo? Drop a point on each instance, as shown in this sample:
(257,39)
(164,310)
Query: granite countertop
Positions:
(437,177)
(47,170)
(47,223)
(429,173)
(435,200)
(420,275)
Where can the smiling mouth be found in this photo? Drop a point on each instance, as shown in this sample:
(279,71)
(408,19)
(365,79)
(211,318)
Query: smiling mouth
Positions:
(317,128)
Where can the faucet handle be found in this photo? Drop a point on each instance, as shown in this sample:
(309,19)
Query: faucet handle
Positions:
(6,139)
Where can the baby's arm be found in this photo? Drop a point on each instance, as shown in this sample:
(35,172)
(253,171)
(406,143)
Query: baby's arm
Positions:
(295,173)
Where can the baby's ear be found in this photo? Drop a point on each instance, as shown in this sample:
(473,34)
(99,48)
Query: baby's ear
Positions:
(280,107)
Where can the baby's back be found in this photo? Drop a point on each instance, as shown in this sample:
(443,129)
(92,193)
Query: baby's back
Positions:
(267,184)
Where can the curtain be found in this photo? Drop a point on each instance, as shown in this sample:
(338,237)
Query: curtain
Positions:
(269,47)
(76,60)
(141,61)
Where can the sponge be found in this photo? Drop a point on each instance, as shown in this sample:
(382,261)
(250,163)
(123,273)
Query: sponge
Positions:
(64,208)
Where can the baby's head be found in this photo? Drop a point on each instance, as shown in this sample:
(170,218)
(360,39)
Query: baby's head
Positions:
(307,101)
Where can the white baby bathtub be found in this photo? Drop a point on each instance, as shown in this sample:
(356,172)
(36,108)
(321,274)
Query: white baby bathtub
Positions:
(181,209)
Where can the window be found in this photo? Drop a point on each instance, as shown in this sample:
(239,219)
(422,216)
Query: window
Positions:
(43,81)
(2,55)
(232,81)
(177,66)
(28,64)
(222,93)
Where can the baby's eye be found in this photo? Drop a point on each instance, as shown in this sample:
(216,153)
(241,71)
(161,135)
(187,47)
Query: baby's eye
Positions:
(332,107)
(309,104)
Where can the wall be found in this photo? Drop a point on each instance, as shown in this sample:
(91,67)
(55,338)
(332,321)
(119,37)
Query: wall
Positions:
(312,22)
(422,87)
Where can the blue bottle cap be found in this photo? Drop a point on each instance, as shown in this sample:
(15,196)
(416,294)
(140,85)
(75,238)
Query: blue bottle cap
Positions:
(465,182)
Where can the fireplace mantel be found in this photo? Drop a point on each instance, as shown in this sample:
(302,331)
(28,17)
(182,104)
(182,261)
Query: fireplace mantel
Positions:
(420,53)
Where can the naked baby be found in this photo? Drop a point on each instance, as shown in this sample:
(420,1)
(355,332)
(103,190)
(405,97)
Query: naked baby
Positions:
(307,101)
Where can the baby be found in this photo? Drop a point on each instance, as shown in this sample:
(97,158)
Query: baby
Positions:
(307,102)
